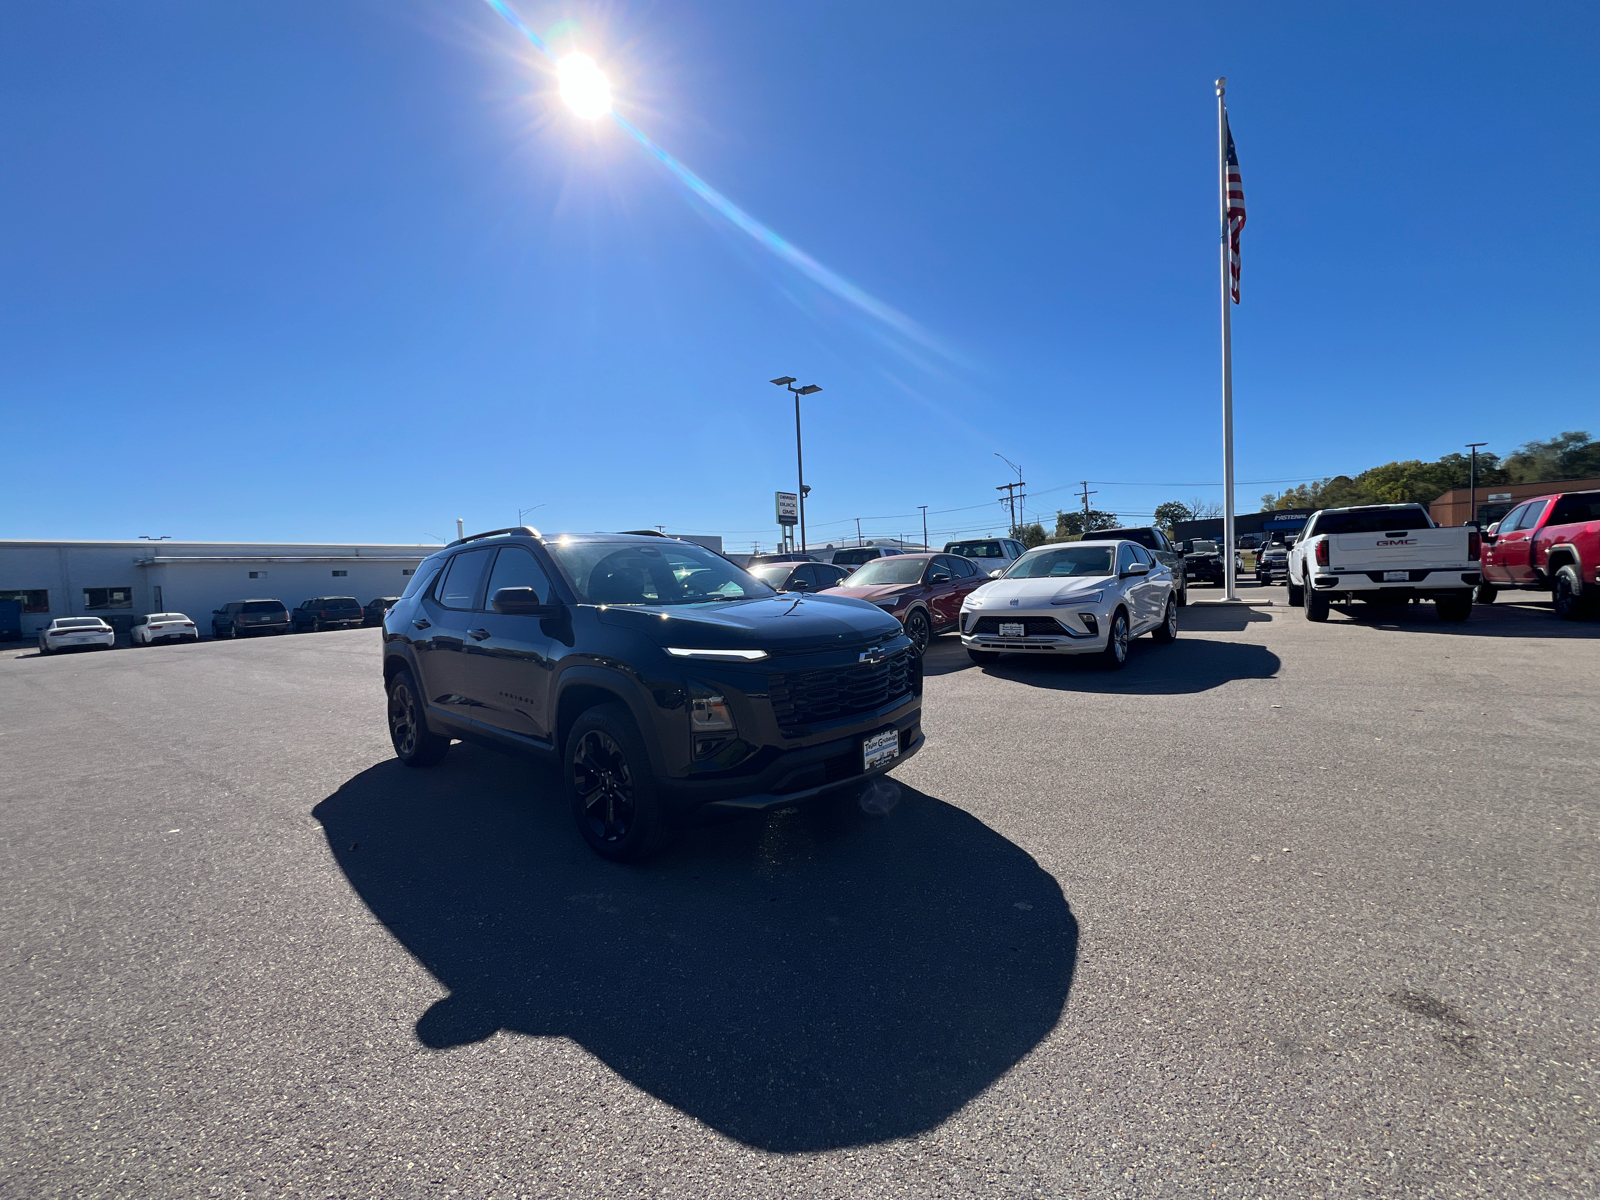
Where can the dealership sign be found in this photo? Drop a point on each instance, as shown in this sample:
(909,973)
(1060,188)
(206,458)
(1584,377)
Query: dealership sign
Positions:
(788,508)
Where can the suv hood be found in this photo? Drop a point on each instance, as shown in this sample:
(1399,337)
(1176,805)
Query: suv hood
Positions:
(788,622)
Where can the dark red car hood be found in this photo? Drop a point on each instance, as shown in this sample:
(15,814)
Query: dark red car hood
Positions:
(875,593)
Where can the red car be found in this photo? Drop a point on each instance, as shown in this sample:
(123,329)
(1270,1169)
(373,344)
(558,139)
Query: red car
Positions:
(1551,544)
(924,590)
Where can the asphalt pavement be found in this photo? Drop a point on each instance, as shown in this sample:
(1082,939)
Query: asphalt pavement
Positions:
(1280,910)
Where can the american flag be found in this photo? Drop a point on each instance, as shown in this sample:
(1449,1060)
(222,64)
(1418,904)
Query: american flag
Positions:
(1235,212)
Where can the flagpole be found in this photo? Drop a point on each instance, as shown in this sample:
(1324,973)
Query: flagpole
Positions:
(1228,538)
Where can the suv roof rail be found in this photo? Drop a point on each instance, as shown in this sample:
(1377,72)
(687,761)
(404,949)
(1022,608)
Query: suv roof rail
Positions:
(646,533)
(473,537)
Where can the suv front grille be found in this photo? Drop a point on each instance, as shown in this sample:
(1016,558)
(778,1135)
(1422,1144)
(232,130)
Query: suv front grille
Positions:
(1032,626)
(826,694)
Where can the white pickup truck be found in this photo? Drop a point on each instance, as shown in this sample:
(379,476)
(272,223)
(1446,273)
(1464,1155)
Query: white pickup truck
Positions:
(1384,554)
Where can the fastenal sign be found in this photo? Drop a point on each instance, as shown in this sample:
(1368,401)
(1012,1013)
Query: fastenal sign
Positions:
(788,508)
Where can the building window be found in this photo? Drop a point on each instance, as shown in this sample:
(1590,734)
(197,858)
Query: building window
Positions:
(408,570)
(107,597)
(31,601)
(340,574)
(258,574)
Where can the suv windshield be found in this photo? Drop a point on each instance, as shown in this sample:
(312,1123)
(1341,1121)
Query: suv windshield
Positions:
(854,558)
(1372,521)
(1202,547)
(669,572)
(888,570)
(1062,560)
(989,549)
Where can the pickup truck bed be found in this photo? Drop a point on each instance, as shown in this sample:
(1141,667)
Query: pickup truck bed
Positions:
(1384,554)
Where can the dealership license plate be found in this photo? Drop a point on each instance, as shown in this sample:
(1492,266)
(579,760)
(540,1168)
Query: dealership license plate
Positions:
(1013,629)
(880,748)
(1397,576)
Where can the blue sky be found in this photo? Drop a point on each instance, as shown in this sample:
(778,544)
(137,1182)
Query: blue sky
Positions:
(349,271)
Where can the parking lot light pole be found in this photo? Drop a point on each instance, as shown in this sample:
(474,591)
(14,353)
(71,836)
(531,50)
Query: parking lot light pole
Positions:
(1472,485)
(788,381)
(924,509)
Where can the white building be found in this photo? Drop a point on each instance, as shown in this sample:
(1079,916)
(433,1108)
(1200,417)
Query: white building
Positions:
(118,581)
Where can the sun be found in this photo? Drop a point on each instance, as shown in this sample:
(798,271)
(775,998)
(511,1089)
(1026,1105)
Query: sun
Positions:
(584,86)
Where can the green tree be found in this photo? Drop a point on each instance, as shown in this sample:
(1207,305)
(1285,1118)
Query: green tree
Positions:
(1571,456)
(1032,535)
(1073,525)
(1169,514)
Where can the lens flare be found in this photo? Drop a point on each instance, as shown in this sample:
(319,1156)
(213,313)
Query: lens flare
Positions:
(584,86)
(586,90)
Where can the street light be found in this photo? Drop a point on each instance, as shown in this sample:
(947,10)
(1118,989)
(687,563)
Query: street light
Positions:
(788,381)
(1472,486)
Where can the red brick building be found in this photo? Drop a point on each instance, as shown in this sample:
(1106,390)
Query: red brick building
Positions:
(1495,500)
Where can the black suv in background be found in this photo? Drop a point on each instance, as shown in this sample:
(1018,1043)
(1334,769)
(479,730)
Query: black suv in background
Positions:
(328,612)
(240,618)
(372,614)
(662,678)
(1159,545)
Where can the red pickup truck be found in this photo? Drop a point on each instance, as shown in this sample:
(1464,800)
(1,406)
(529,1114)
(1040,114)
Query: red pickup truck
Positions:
(1551,544)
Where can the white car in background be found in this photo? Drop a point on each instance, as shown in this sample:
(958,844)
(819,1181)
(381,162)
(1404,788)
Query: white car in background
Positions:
(163,627)
(993,555)
(1072,598)
(69,633)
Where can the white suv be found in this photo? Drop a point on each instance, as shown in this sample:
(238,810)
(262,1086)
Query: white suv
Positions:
(993,555)
(1072,598)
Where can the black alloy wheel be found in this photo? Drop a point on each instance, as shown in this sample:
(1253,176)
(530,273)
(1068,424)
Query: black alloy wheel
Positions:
(1484,593)
(1167,632)
(1570,599)
(919,631)
(414,745)
(611,785)
(1115,656)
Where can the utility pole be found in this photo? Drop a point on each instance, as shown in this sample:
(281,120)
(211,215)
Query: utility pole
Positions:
(858,531)
(1472,485)
(1086,494)
(924,509)
(1011,491)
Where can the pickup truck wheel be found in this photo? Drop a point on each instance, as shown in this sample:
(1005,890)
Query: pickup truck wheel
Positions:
(1167,632)
(1571,600)
(1316,605)
(414,745)
(1115,655)
(611,785)
(1484,593)
(1297,596)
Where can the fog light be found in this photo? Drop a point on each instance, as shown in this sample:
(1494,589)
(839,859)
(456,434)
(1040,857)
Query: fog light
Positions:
(1090,622)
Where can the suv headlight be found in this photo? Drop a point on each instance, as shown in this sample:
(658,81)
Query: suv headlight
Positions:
(717,655)
(709,714)
(1080,598)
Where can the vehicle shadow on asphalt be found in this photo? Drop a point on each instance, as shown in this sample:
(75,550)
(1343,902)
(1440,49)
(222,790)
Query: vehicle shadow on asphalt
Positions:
(1185,666)
(1531,620)
(812,980)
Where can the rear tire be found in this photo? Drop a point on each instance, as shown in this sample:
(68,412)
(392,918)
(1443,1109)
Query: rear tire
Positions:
(611,786)
(1316,605)
(984,658)
(1454,608)
(1183,596)
(1167,632)
(1570,599)
(1484,593)
(1115,656)
(413,743)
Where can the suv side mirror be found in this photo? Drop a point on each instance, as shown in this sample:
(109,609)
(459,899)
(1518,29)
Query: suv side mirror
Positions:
(522,602)
(1134,569)
(799,585)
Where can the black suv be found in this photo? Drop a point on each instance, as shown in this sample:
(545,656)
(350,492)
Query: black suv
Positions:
(328,612)
(240,618)
(664,679)
(1159,545)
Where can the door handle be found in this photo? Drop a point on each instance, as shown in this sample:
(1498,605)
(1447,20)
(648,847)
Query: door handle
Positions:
(477,635)
(422,623)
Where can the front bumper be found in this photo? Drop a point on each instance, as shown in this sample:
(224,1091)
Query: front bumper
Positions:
(804,773)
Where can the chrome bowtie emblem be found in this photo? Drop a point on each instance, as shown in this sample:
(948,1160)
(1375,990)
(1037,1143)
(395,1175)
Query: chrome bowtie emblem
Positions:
(875,655)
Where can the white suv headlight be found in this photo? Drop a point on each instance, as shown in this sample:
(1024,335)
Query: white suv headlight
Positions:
(1080,598)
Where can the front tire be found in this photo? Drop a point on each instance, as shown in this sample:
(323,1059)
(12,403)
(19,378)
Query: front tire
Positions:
(920,631)
(1115,656)
(1297,595)
(984,658)
(1316,605)
(611,785)
(1570,599)
(1167,632)
(1183,596)
(413,744)
(1484,593)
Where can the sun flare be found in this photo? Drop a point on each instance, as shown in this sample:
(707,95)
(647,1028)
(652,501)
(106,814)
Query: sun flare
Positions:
(584,86)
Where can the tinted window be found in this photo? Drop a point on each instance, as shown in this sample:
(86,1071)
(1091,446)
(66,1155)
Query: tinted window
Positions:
(420,579)
(889,570)
(965,568)
(1145,537)
(1126,557)
(1140,554)
(771,574)
(830,576)
(1581,506)
(983,549)
(673,572)
(517,568)
(854,558)
(264,606)
(1531,514)
(1371,521)
(342,603)
(459,587)
(79,623)
(1062,561)
(1513,518)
